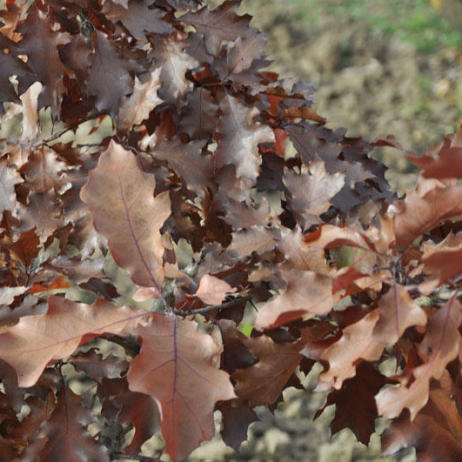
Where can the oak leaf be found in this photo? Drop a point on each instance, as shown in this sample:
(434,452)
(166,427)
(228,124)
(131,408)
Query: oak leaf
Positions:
(138,18)
(36,340)
(439,346)
(436,432)
(241,136)
(397,312)
(64,435)
(218,25)
(306,295)
(443,161)
(212,290)
(120,197)
(424,209)
(356,343)
(177,367)
(310,191)
(359,417)
(136,107)
(263,382)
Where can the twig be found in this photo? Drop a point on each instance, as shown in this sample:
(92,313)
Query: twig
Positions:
(206,309)
(70,127)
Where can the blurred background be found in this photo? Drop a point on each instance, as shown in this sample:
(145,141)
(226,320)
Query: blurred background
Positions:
(380,67)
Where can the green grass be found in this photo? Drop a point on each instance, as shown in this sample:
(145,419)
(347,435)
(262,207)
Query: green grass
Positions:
(412,20)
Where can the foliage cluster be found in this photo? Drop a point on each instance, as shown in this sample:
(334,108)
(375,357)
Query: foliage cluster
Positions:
(222,200)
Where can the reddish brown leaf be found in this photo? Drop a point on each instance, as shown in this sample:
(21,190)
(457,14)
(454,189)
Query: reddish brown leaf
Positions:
(218,25)
(426,207)
(236,419)
(306,294)
(26,247)
(445,258)
(397,312)
(120,197)
(444,161)
(131,408)
(64,435)
(36,340)
(41,43)
(439,346)
(359,417)
(177,367)
(138,18)
(263,382)
(436,432)
(187,161)
(356,343)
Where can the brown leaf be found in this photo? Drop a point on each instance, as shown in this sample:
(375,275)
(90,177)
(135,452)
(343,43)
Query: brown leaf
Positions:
(175,62)
(42,213)
(242,53)
(356,343)
(30,114)
(263,382)
(306,294)
(65,436)
(358,417)
(255,239)
(139,19)
(41,44)
(177,367)
(106,65)
(131,408)
(310,191)
(43,171)
(218,25)
(426,207)
(98,367)
(212,290)
(397,312)
(443,161)
(120,197)
(240,138)
(187,161)
(199,116)
(439,346)
(236,419)
(136,107)
(444,258)
(36,340)
(436,432)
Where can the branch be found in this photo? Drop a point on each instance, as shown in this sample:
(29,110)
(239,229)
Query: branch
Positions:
(206,309)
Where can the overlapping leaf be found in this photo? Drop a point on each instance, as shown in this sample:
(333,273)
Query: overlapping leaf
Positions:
(121,198)
(177,367)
